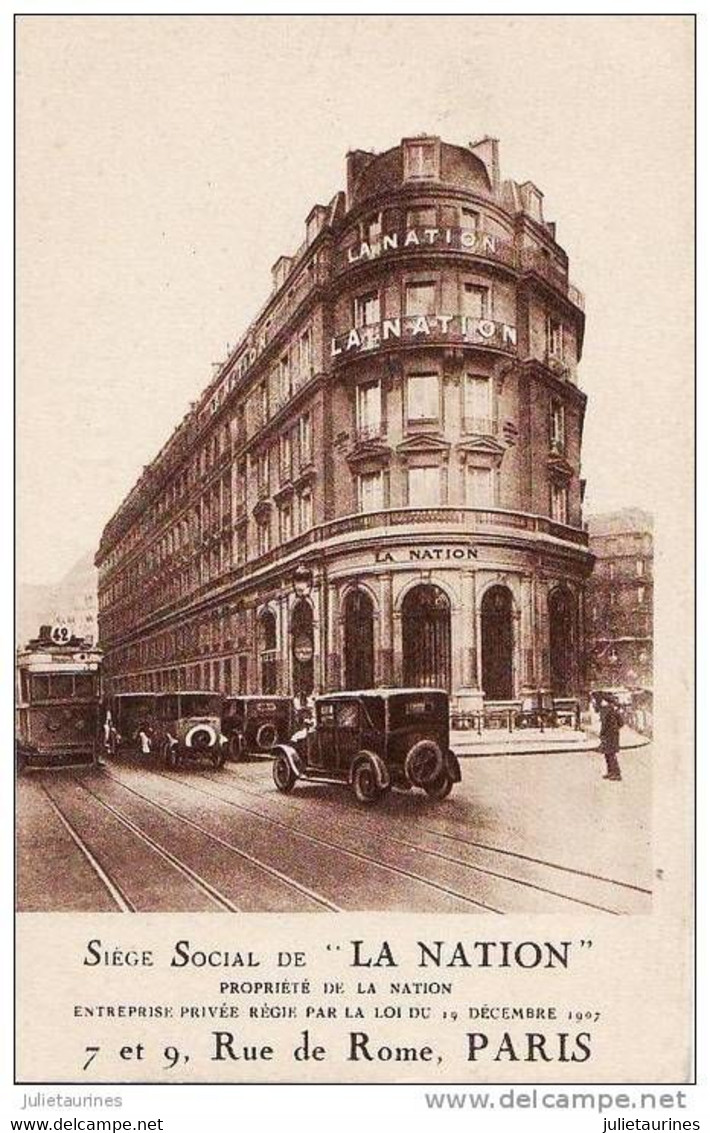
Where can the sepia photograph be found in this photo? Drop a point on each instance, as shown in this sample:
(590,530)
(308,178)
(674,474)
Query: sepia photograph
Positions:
(350,412)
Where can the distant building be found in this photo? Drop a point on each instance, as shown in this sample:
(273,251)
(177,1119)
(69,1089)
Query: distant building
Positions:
(402,424)
(620,600)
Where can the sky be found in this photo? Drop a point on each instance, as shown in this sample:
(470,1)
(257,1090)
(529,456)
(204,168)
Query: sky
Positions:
(164,164)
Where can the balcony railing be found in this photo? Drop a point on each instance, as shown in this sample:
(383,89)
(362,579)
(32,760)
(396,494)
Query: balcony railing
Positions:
(369,431)
(533,260)
(481,426)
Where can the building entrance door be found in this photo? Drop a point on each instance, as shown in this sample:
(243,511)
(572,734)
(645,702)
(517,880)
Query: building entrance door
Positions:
(497,643)
(561,620)
(426,638)
(359,640)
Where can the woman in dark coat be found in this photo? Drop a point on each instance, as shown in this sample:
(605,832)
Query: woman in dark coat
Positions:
(611,721)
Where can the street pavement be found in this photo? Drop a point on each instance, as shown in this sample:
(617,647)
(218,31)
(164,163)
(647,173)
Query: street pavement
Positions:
(540,832)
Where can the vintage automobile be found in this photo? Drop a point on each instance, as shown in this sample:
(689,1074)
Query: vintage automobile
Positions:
(130,724)
(373,740)
(253,724)
(189,728)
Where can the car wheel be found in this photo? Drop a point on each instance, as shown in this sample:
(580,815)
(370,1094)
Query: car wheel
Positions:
(365,785)
(424,763)
(283,773)
(236,750)
(440,788)
(266,736)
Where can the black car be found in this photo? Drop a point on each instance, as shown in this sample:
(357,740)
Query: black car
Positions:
(256,723)
(374,740)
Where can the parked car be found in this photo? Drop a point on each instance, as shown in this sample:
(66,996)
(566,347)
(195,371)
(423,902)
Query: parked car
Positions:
(256,723)
(190,728)
(373,740)
(130,724)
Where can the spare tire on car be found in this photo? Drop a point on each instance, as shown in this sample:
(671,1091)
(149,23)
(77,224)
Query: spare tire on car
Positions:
(424,763)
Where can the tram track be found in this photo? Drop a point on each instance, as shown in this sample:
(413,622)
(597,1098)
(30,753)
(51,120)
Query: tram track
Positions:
(307,836)
(571,871)
(597,905)
(120,899)
(200,883)
(278,875)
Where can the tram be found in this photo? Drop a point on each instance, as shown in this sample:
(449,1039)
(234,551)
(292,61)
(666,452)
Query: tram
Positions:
(57,701)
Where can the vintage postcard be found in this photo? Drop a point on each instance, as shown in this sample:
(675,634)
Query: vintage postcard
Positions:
(354,655)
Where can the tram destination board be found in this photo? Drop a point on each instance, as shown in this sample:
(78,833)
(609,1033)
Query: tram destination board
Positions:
(354,676)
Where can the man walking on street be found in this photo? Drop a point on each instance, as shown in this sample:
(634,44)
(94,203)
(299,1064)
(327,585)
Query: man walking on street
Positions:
(610,720)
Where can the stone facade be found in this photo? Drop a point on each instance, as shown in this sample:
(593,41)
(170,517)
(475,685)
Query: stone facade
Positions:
(402,422)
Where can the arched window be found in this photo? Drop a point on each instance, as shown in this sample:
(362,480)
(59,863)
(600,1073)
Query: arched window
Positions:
(426,638)
(359,656)
(302,647)
(560,609)
(267,651)
(497,643)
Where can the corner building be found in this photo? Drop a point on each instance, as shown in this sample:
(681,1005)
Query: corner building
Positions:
(381,485)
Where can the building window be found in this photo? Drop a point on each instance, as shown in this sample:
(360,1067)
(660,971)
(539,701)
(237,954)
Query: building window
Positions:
(267,652)
(373,229)
(284,378)
(305,354)
(476,301)
(554,337)
(640,594)
(424,486)
(557,426)
(286,521)
(559,501)
(370,491)
(263,532)
(420,298)
(262,473)
(421,159)
(305,438)
(479,487)
(263,402)
(305,509)
(478,405)
(470,219)
(639,568)
(422,398)
(422,217)
(368,410)
(367,309)
(285,457)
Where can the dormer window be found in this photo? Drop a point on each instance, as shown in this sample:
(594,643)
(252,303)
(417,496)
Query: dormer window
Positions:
(421,159)
(470,219)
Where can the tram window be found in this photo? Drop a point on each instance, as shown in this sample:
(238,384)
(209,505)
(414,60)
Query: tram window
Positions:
(62,686)
(83,685)
(40,686)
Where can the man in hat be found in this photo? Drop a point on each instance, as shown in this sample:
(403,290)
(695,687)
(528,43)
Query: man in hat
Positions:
(610,719)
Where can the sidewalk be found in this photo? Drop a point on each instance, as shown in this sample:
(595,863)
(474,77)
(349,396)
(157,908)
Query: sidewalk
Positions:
(528,741)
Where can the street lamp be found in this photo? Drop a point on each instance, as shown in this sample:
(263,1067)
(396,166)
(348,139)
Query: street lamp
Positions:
(302,581)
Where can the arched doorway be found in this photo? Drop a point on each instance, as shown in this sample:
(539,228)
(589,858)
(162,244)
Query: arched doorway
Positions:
(426,638)
(560,609)
(302,647)
(359,614)
(497,644)
(266,644)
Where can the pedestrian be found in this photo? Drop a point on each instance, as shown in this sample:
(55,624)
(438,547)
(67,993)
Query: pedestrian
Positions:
(610,719)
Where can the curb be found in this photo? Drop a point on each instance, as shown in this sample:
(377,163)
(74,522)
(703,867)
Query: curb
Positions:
(583,747)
